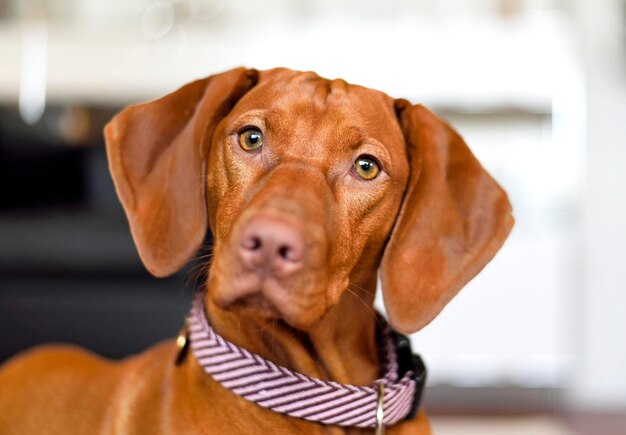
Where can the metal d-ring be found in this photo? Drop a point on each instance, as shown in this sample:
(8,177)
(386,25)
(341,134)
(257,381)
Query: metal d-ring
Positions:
(380,412)
(182,343)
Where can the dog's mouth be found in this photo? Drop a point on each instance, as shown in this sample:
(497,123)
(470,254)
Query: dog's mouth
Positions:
(257,305)
(298,307)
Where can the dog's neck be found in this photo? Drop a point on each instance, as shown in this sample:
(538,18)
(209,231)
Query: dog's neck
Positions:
(340,347)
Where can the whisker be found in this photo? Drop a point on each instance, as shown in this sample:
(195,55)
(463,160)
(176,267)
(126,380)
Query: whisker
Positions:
(267,326)
(369,292)
(199,270)
(369,309)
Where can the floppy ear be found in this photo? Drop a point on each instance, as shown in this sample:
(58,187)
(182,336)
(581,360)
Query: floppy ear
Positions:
(453,220)
(157,154)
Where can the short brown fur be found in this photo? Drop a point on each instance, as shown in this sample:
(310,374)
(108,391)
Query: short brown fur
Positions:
(431,221)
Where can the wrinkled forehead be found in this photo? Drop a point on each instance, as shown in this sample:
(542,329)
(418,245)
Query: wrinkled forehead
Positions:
(304,103)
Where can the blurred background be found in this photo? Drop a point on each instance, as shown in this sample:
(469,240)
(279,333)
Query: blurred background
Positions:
(534,345)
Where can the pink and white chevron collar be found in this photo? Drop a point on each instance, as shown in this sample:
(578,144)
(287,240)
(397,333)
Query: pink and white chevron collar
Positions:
(285,391)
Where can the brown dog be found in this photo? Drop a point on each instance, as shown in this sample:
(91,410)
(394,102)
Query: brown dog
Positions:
(310,188)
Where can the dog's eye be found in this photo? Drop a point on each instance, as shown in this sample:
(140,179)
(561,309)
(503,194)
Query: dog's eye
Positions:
(366,168)
(250,139)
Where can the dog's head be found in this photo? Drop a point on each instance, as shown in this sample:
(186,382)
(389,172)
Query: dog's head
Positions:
(308,185)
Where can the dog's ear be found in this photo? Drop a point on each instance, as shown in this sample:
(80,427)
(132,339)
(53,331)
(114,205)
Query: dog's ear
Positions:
(453,219)
(157,152)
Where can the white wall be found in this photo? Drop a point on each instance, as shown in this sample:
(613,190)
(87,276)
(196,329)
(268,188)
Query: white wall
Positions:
(601,321)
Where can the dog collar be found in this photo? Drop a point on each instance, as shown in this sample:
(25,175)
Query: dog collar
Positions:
(389,400)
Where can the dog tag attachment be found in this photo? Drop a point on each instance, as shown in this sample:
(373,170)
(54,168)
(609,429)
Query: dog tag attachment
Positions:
(380,411)
(182,344)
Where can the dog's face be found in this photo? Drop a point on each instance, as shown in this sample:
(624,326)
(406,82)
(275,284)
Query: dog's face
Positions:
(305,179)
(308,185)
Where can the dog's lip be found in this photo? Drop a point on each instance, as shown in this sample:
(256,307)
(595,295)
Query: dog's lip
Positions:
(258,304)
(245,290)
(270,299)
(298,311)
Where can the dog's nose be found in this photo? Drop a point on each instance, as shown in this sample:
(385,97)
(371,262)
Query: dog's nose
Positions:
(271,245)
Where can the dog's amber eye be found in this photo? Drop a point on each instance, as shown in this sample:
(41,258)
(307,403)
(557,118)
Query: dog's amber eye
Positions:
(366,168)
(250,139)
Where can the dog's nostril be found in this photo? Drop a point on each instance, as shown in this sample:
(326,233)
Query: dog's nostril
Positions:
(285,252)
(253,243)
(271,244)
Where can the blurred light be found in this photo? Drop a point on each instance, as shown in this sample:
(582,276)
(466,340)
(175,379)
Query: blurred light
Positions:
(205,10)
(173,44)
(32,93)
(157,19)
(508,9)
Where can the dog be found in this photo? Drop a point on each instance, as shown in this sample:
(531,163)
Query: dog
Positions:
(312,189)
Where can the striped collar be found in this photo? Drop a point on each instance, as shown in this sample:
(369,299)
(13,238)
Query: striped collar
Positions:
(287,392)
